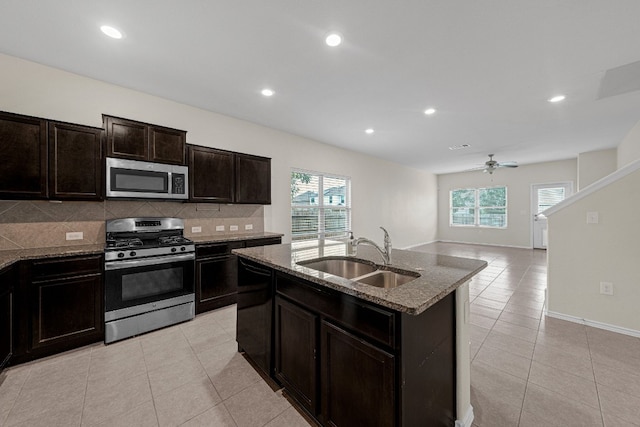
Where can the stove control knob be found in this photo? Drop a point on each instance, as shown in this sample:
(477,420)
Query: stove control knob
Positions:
(173,249)
(132,253)
(120,254)
(183,249)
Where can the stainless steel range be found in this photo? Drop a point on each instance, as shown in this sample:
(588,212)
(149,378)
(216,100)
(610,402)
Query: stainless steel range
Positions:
(149,276)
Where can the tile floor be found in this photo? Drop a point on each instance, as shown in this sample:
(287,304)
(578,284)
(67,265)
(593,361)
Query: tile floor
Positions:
(527,369)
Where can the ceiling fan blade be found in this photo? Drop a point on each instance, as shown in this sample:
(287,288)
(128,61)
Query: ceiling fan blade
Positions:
(508,165)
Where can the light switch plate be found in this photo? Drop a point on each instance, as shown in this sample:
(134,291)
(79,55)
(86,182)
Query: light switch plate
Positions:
(606,288)
(592,217)
(248,227)
(219,227)
(233,228)
(196,229)
(75,235)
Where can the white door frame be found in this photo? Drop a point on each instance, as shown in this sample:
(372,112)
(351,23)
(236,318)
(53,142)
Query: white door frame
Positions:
(532,196)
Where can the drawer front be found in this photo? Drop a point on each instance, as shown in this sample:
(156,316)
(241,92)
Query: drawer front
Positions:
(217,249)
(365,319)
(68,266)
(263,242)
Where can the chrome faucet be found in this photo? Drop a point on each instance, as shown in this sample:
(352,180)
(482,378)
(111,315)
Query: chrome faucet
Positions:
(386,252)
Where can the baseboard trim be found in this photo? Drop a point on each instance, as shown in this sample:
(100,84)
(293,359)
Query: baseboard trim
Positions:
(594,324)
(406,248)
(467,421)
(484,244)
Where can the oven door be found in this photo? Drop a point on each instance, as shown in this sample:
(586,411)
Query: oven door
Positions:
(139,282)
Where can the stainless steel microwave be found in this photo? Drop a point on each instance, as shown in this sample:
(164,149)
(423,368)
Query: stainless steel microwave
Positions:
(136,179)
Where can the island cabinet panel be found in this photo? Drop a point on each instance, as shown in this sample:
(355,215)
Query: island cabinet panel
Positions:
(296,362)
(253,179)
(211,175)
(7,315)
(75,162)
(65,297)
(358,380)
(23,154)
(133,140)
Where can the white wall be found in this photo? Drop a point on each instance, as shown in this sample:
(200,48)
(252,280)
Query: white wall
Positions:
(519,217)
(595,165)
(629,148)
(400,198)
(582,255)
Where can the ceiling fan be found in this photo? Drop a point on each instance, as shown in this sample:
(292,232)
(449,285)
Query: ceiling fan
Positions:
(491,165)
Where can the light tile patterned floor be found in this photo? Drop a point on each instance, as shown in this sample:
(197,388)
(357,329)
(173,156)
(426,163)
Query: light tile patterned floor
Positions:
(527,370)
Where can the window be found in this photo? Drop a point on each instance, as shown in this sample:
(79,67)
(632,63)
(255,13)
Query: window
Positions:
(320,205)
(483,207)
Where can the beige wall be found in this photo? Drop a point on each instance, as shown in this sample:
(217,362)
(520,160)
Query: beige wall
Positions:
(518,181)
(595,165)
(401,199)
(582,255)
(629,148)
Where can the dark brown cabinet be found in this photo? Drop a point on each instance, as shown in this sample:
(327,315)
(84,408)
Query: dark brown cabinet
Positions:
(65,298)
(296,364)
(217,272)
(253,179)
(227,177)
(75,162)
(129,139)
(23,154)
(211,175)
(7,315)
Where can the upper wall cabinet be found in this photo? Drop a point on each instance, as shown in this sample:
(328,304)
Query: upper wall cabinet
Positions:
(128,139)
(253,179)
(211,175)
(23,157)
(226,177)
(45,159)
(75,162)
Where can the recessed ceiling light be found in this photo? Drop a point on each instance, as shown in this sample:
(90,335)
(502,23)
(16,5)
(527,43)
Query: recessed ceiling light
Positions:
(114,33)
(333,39)
(267,92)
(429,111)
(369,131)
(557,98)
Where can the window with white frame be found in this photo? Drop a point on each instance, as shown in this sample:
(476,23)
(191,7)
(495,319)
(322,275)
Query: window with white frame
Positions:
(480,207)
(320,205)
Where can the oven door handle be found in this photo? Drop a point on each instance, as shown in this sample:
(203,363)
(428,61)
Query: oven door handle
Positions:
(118,265)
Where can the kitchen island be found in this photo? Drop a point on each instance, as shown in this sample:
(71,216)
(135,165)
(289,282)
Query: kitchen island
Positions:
(349,353)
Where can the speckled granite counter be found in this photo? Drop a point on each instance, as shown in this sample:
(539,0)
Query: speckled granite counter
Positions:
(9,257)
(439,274)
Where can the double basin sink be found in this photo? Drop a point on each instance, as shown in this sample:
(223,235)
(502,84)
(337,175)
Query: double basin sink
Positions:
(361,271)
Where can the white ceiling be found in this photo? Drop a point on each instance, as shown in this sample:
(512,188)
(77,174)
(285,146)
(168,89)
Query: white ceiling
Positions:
(487,66)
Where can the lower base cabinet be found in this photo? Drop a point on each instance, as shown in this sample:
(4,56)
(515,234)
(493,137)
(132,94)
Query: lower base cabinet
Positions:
(7,314)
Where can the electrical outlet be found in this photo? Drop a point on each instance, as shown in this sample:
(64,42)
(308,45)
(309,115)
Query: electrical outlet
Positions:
(592,217)
(248,227)
(606,288)
(196,229)
(75,235)
(219,227)
(233,228)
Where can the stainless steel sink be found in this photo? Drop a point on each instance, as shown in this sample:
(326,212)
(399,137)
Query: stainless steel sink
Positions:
(387,279)
(343,267)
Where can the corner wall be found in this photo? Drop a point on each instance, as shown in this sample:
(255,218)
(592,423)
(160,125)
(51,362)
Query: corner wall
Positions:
(519,217)
(629,148)
(400,198)
(582,255)
(595,165)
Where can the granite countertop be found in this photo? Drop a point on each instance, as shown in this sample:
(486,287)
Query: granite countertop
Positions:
(11,256)
(439,274)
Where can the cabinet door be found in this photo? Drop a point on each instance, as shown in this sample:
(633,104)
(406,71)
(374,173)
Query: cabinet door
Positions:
(253,179)
(216,282)
(211,175)
(23,154)
(358,380)
(127,139)
(75,162)
(6,316)
(295,352)
(167,145)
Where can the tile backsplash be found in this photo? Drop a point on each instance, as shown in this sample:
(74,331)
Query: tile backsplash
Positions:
(42,223)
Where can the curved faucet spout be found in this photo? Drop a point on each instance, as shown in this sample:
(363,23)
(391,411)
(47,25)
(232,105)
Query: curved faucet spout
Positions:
(386,252)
